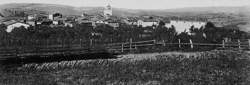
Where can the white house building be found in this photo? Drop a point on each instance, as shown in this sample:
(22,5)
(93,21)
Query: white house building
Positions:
(31,17)
(51,17)
(99,22)
(68,24)
(145,23)
(12,26)
(55,22)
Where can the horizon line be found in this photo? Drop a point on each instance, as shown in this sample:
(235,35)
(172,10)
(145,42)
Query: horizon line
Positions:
(131,8)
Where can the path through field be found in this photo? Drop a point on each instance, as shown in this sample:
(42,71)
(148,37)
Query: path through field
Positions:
(153,55)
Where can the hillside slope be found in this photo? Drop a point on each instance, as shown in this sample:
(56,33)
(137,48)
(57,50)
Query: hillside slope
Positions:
(69,10)
(48,8)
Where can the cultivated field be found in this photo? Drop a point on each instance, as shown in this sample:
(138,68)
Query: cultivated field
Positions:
(203,68)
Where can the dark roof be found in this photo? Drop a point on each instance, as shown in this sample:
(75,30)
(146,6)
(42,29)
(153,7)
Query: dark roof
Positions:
(112,20)
(57,15)
(149,20)
(1,15)
(9,22)
(132,20)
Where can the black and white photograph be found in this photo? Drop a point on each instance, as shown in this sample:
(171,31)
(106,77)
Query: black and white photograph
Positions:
(124,42)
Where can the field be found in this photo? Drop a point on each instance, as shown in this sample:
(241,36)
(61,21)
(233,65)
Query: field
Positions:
(203,68)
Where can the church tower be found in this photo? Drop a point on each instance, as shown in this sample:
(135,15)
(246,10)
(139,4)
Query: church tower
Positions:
(108,10)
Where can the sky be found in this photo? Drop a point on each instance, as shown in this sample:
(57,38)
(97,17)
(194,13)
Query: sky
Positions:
(139,4)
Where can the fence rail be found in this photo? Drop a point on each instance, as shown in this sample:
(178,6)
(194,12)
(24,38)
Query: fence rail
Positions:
(240,44)
(80,46)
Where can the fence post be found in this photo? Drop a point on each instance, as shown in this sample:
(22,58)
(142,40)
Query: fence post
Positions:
(36,45)
(179,43)
(80,42)
(122,47)
(191,44)
(239,44)
(62,43)
(91,42)
(248,43)
(135,47)
(164,44)
(16,47)
(130,44)
(47,43)
(223,43)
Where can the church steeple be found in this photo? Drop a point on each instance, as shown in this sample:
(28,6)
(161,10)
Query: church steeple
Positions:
(108,9)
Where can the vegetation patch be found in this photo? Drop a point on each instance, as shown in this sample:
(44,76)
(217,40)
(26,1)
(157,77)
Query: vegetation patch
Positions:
(209,68)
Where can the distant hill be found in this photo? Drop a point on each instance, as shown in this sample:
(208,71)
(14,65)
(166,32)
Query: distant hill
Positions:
(69,10)
(48,8)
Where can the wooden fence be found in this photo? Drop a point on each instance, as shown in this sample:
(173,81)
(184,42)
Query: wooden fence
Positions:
(84,46)
(130,46)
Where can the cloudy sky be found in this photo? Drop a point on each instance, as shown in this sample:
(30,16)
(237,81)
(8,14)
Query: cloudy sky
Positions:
(139,4)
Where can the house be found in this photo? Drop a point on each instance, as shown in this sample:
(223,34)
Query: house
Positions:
(55,22)
(69,24)
(59,21)
(83,20)
(46,22)
(9,22)
(86,22)
(112,22)
(31,17)
(51,17)
(11,26)
(70,18)
(55,15)
(39,23)
(37,17)
(131,22)
(99,22)
(32,23)
(84,15)
(147,22)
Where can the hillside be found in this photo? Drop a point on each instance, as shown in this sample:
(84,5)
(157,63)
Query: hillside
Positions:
(69,10)
(48,8)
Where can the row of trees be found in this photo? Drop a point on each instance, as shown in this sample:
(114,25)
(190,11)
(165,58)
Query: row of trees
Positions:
(107,34)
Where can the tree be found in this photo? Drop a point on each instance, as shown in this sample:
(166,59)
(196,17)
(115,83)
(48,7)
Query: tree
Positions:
(161,24)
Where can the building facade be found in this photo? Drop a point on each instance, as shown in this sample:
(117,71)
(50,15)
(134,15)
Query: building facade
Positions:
(12,26)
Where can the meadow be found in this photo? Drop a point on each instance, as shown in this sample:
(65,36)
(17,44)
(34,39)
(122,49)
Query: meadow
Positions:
(201,68)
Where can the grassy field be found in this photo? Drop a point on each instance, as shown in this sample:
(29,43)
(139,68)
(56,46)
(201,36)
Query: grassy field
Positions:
(204,68)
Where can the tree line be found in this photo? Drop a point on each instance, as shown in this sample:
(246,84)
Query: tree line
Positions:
(106,34)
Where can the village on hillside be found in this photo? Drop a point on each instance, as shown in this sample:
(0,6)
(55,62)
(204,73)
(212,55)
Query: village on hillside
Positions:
(56,19)
(106,27)
(128,42)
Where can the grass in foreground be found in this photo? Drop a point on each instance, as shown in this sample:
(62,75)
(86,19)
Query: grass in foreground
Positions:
(208,68)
